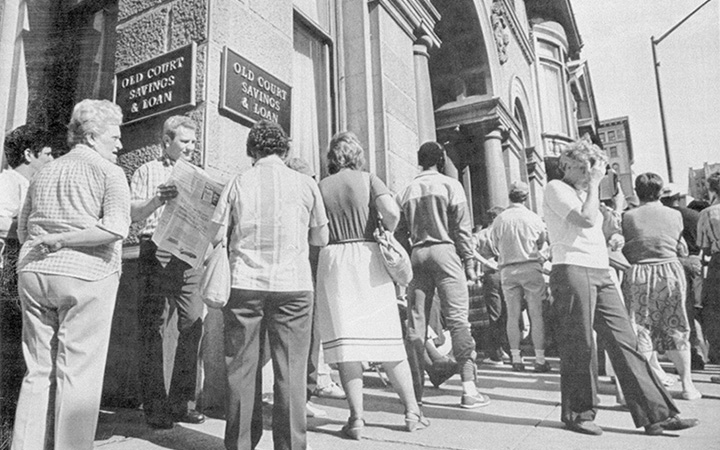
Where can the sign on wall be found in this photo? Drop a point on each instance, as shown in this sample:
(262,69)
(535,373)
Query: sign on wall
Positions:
(158,85)
(251,93)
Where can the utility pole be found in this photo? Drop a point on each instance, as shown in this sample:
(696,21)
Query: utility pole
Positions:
(656,65)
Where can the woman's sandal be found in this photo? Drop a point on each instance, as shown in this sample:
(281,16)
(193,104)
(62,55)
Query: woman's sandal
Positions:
(353,428)
(415,421)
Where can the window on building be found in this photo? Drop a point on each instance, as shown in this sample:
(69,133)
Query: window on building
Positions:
(312,115)
(96,37)
(613,151)
(620,135)
(553,82)
(602,137)
(316,10)
(611,136)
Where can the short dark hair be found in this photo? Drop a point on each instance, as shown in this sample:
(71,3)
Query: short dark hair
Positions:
(492,213)
(648,187)
(518,196)
(713,182)
(431,154)
(25,137)
(267,138)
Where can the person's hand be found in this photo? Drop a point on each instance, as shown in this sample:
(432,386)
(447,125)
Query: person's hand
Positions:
(692,265)
(166,192)
(616,242)
(48,243)
(470,270)
(597,171)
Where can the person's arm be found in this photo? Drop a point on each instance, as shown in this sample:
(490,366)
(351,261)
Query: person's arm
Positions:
(389,211)
(587,215)
(89,237)
(319,236)
(319,233)
(141,209)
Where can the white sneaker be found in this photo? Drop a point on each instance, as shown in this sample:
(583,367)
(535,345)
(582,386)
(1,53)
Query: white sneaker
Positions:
(312,410)
(332,390)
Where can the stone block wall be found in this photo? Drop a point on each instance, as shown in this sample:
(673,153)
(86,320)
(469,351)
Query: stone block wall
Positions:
(147,29)
(396,120)
(262,32)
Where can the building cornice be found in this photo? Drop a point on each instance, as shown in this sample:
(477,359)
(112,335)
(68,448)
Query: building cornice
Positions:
(490,114)
(417,18)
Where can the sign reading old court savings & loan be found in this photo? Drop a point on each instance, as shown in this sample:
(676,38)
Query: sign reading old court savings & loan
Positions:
(158,85)
(251,93)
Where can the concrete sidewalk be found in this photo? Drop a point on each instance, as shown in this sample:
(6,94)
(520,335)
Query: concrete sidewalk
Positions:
(524,414)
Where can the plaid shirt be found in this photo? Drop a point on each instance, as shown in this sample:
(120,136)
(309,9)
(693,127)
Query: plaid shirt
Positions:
(77,191)
(144,184)
(272,209)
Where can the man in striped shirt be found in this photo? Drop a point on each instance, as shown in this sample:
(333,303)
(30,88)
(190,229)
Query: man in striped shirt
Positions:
(166,279)
(276,213)
(435,218)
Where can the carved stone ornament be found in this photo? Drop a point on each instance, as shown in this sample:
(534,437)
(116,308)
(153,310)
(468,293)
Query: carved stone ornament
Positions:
(500,30)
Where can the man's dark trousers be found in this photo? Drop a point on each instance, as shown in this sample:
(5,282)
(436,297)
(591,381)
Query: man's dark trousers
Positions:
(497,314)
(585,297)
(287,317)
(176,284)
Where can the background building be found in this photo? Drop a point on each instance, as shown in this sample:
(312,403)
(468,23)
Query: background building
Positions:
(615,137)
(499,82)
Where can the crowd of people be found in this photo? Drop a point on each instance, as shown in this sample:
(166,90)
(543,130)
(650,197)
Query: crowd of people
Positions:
(306,272)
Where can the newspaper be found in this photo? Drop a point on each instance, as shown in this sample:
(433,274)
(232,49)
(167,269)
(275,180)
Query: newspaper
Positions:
(185,229)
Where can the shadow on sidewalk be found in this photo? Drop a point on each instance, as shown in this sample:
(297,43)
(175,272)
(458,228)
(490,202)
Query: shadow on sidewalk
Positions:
(116,424)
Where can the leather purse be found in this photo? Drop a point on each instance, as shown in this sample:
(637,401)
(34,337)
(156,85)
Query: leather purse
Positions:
(395,258)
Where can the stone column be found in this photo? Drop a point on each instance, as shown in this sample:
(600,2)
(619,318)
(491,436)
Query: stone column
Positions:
(423,90)
(497,190)
(423,99)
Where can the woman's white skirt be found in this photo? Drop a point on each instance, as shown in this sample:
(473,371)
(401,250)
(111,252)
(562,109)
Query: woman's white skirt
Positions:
(357,309)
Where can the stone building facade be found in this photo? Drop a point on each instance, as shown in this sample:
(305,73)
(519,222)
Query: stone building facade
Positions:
(499,82)
(617,142)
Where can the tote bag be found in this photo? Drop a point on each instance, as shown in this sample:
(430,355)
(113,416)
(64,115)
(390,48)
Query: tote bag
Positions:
(215,282)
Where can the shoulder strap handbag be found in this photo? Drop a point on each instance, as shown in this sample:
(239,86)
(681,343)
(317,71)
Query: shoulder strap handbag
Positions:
(395,258)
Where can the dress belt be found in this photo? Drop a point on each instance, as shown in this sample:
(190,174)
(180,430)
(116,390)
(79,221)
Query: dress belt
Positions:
(350,241)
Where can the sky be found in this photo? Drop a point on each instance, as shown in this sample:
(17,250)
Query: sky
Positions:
(616,36)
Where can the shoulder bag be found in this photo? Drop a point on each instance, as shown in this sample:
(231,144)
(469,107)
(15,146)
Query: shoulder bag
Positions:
(394,256)
(216,281)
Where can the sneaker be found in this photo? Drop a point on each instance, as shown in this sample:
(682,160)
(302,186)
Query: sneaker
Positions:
(585,427)
(474,401)
(542,368)
(312,410)
(332,390)
(668,380)
(674,423)
(518,367)
(493,361)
